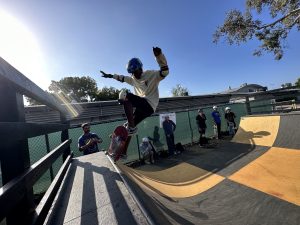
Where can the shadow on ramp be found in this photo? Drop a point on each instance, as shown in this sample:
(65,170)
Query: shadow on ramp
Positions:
(193,188)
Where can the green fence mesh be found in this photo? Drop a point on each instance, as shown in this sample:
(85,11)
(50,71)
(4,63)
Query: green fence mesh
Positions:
(259,106)
(186,132)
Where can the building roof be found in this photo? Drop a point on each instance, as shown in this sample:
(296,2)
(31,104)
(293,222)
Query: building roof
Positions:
(245,88)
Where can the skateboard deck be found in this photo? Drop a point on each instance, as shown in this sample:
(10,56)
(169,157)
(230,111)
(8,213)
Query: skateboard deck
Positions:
(118,143)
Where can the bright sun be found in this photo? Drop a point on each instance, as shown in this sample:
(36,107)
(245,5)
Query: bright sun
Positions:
(19,48)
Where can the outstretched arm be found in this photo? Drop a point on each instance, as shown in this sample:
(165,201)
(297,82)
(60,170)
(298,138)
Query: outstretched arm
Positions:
(117,77)
(162,62)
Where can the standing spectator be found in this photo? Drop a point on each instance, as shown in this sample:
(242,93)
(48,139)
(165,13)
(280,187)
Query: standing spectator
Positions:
(169,128)
(230,116)
(217,120)
(146,150)
(88,142)
(200,119)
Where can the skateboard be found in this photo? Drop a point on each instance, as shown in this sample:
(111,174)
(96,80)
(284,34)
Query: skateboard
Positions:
(118,143)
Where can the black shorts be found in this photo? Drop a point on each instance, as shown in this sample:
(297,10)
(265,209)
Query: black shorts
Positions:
(142,108)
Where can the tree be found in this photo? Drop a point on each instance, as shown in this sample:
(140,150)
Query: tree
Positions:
(106,94)
(286,85)
(32,101)
(77,88)
(297,83)
(178,90)
(239,27)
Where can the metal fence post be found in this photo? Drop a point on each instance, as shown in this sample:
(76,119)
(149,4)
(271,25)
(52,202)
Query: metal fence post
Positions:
(192,133)
(65,136)
(248,107)
(14,156)
(48,150)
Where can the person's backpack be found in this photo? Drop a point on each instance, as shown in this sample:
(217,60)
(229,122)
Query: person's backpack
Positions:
(179,147)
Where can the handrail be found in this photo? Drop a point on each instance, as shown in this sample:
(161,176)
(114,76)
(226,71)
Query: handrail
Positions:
(27,87)
(12,192)
(16,196)
(46,202)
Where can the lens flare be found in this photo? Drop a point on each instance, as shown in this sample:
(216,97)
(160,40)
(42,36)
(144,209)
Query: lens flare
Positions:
(19,47)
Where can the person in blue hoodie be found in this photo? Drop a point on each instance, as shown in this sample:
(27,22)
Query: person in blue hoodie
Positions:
(169,128)
(217,120)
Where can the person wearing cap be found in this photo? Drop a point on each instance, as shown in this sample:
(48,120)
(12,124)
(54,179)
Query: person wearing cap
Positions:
(88,141)
(230,116)
(146,151)
(200,119)
(217,120)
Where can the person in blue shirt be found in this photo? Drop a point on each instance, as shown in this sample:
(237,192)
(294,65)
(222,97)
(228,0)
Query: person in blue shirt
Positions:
(217,120)
(88,142)
(169,128)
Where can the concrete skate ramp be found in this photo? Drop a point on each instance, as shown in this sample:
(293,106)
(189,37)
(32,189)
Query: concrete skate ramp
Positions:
(254,179)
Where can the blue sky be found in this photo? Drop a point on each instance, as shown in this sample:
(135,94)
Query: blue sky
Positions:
(78,38)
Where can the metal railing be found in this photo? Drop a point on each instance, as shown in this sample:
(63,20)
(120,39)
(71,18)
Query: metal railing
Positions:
(19,124)
(18,176)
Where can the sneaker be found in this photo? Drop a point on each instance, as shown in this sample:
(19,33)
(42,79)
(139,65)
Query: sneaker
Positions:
(131,130)
(125,125)
(123,156)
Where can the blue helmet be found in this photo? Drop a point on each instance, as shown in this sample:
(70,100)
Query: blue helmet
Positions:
(134,64)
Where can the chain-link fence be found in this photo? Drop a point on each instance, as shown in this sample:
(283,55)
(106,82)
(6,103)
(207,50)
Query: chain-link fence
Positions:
(186,132)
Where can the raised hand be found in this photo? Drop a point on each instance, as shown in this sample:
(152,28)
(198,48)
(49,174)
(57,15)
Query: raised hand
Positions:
(156,51)
(106,75)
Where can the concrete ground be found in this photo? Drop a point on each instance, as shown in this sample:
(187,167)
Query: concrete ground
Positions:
(94,193)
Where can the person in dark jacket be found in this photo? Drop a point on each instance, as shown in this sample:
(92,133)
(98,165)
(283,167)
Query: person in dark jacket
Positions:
(169,128)
(200,119)
(230,118)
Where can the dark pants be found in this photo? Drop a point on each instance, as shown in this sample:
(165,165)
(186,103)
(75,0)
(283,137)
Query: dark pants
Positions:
(219,129)
(202,133)
(142,108)
(170,143)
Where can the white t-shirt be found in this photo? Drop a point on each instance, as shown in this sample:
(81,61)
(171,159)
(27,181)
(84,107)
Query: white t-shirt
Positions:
(147,86)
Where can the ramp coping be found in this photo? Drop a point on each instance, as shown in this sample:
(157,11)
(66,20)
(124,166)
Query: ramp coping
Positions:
(149,220)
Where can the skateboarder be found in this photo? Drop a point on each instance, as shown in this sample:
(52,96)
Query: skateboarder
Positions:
(145,83)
